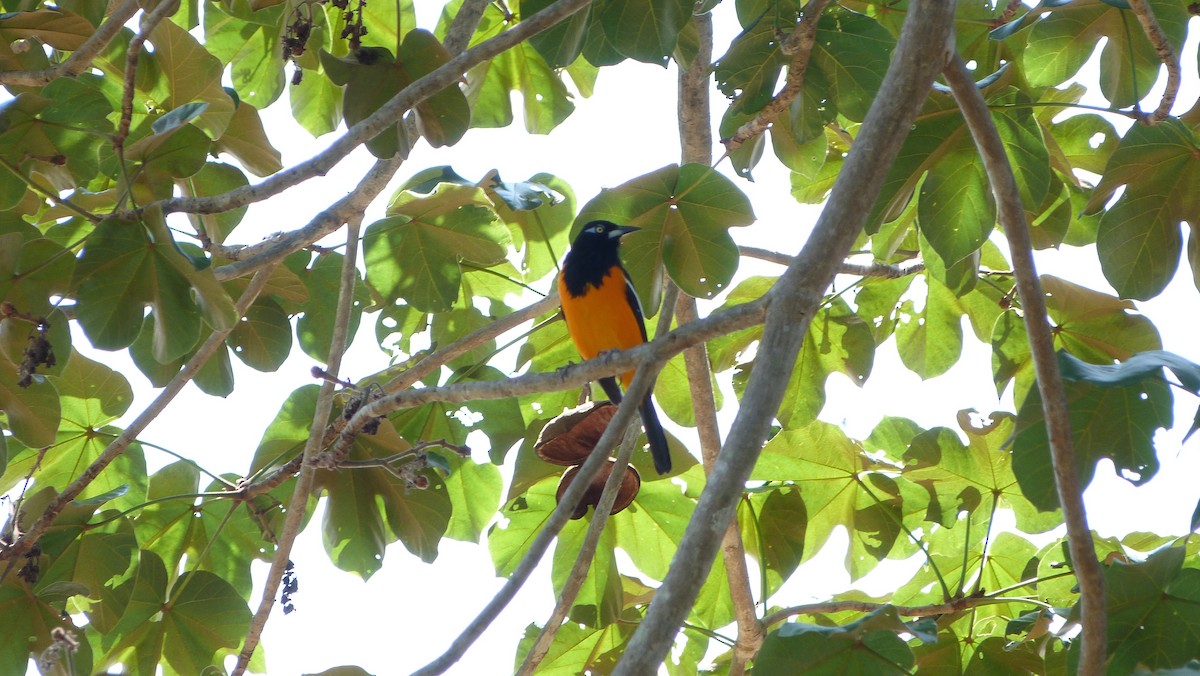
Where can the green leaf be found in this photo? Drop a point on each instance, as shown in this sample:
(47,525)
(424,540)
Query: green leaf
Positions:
(930,341)
(178,117)
(974,478)
(60,29)
(369,508)
(1153,612)
(189,73)
(122,269)
(685,214)
(1062,41)
(1132,370)
(262,339)
(206,618)
(215,178)
(789,651)
(474,492)
(522,70)
(598,602)
(249,41)
(1106,422)
(32,412)
(245,139)
(645,31)
(839,487)
(415,252)
(322,280)
(91,394)
(1138,240)
(852,51)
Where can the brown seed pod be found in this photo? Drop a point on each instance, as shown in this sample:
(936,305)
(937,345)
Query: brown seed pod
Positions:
(569,439)
(630,486)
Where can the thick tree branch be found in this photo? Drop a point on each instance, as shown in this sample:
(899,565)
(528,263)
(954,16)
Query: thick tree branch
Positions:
(621,420)
(297,505)
(117,446)
(388,114)
(1162,47)
(80,59)
(1041,345)
(923,49)
(464,24)
(799,44)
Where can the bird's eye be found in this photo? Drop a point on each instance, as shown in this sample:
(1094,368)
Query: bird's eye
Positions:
(598,229)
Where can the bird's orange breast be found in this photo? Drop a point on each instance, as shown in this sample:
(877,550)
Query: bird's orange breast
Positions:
(601,319)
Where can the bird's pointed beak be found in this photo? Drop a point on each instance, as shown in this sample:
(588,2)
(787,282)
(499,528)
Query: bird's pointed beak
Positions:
(621,231)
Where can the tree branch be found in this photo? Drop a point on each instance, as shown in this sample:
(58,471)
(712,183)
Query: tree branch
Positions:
(1041,345)
(297,505)
(1162,47)
(873,269)
(117,446)
(387,115)
(799,44)
(149,21)
(955,606)
(80,59)
(922,51)
(695,135)
(464,24)
(569,377)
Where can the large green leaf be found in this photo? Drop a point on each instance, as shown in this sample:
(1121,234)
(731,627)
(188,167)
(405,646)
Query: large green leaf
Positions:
(123,268)
(369,508)
(1115,422)
(372,76)
(598,602)
(248,40)
(841,486)
(1153,612)
(1062,41)
(685,214)
(643,30)
(189,72)
(322,281)
(974,478)
(522,70)
(415,253)
(1139,239)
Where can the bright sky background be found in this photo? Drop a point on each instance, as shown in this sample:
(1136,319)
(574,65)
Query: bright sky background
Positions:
(408,613)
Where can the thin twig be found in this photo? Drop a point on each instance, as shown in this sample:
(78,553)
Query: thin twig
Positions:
(558,518)
(873,269)
(799,44)
(591,539)
(150,21)
(925,45)
(387,115)
(296,508)
(1041,345)
(80,59)
(827,607)
(117,446)
(1162,47)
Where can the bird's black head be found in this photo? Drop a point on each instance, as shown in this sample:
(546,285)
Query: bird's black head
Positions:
(601,235)
(593,255)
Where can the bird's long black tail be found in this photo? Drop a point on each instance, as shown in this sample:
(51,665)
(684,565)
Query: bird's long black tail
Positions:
(654,430)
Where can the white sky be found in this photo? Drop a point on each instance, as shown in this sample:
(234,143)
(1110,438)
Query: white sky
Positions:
(408,613)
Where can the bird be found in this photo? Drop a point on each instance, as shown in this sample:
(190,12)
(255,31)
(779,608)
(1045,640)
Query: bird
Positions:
(603,313)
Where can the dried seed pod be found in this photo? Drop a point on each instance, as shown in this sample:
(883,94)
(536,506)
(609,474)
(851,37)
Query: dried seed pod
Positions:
(630,486)
(569,439)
